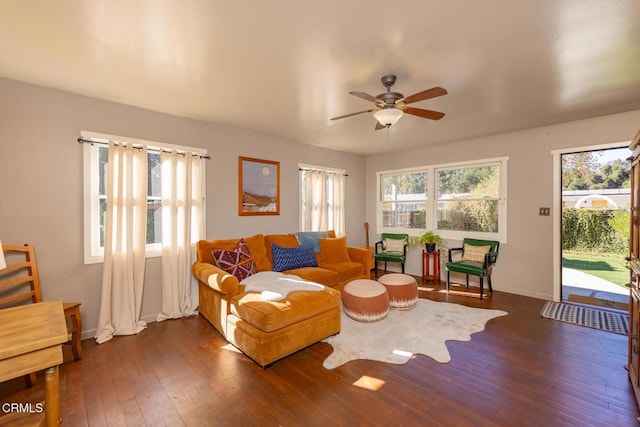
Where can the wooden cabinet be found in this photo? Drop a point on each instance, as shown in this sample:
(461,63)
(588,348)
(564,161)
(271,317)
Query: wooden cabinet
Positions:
(634,268)
(634,344)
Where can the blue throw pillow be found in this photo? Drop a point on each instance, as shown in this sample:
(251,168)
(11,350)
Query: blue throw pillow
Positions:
(290,258)
(311,238)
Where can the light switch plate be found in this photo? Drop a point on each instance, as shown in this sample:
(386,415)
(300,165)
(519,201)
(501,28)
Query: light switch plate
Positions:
(545,211)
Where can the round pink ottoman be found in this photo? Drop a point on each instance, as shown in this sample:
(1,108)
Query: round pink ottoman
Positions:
(403,290)
(365,300)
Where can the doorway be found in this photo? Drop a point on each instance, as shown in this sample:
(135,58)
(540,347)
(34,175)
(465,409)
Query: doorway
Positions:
(594,226)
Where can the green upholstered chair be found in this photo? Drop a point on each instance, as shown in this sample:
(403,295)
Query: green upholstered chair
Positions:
(391,248)
(477,258)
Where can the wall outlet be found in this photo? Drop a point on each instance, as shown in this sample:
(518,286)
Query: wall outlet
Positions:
(545,211)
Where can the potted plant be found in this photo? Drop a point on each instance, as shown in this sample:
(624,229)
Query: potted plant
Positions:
(429,238)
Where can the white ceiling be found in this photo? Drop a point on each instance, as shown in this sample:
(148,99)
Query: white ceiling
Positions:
(284,67)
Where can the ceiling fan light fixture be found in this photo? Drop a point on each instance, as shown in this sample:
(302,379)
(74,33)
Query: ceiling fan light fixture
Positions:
(388,116)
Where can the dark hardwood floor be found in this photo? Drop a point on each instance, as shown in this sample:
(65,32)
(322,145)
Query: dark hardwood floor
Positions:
(523,370)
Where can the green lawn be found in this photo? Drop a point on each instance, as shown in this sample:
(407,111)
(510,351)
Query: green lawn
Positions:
(606,266)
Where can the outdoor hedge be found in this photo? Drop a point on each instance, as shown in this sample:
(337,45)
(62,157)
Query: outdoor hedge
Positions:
(589,230)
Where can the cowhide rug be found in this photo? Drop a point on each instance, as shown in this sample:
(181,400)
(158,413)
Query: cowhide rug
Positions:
(403,333)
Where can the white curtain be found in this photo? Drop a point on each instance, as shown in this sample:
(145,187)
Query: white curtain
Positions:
(124,246)
(182,227)
(337,211)
(315,193)
(323,194)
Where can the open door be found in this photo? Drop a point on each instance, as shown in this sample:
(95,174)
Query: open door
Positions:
(594,226)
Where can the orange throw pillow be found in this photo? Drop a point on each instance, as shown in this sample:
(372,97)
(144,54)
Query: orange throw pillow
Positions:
(334,250)
(258,251)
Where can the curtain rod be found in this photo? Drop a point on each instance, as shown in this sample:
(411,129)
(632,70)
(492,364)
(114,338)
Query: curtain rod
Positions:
(88,141)
(322,170)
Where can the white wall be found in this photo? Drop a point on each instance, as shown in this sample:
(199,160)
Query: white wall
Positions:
(41,183)
(525,265)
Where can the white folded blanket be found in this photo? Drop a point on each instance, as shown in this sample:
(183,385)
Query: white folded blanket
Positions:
(275,286)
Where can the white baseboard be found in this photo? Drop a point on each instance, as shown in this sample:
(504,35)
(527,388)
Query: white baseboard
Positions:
(514,291)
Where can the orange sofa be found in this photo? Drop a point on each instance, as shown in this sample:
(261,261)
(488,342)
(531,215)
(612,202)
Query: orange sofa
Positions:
(264,330)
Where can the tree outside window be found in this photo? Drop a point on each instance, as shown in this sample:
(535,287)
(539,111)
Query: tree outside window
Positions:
(468,198)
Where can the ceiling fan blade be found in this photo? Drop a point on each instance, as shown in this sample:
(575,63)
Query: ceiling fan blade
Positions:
(365,96)
(427,114)
(425,94)
(354,114)
(379,126)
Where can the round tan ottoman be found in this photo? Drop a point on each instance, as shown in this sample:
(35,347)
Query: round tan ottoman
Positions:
(403,290)
(365,300)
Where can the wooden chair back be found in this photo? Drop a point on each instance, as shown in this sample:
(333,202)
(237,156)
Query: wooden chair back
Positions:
(19,283)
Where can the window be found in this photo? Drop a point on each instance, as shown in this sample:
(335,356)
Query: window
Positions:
(96,158)
(322,199)
(469,200)
(404,197)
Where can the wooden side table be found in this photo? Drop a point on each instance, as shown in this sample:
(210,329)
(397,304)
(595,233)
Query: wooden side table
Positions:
(31,338)
(431,266)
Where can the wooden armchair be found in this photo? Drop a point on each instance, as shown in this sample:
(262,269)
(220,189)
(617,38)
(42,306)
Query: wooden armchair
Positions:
(19,284)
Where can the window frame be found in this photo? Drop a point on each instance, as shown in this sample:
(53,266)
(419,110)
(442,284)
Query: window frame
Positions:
(380,199)
(431,203)
(93,252)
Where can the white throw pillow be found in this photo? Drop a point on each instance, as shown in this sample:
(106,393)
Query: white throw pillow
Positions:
(394,245)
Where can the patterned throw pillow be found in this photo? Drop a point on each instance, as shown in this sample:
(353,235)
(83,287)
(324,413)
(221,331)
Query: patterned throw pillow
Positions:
(473,253)
(237,262)
(394,245)
(290,258)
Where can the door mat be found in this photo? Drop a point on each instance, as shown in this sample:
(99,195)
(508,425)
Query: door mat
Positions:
(603,319)
(604,303)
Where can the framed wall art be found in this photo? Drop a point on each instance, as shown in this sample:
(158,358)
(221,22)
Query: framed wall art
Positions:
(258,187)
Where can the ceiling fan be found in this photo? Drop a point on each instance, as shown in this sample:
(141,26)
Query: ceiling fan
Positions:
(390,106)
